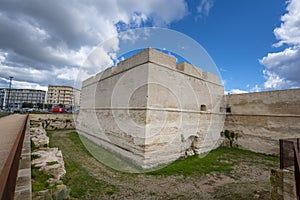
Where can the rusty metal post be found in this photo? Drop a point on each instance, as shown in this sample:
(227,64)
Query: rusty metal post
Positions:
(297,169)
(281,153)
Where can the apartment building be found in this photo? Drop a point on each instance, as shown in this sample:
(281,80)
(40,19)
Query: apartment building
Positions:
(66,95)
(14,98)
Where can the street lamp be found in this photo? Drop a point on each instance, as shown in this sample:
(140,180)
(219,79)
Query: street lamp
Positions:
(10,80)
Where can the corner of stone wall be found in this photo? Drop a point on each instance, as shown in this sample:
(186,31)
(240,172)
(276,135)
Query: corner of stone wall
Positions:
(189,69)
(23,185)
(161,58)
(211,77)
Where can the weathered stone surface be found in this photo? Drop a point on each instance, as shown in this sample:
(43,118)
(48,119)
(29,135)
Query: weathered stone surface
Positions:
(150,110)
(283,186)
(50,161)
(39,137)
(23,184)
(261,119)
(53,121)
(280,102)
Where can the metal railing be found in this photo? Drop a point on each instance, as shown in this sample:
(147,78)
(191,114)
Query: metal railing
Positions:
(290,157)
(9,172)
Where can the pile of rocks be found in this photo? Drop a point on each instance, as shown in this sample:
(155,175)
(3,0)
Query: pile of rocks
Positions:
(39,137)
(46,159)
(50,161)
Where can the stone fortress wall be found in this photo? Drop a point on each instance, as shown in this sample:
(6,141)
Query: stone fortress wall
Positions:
(151,111)
(260,119)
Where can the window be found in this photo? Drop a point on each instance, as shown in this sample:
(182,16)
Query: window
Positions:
(203,107)
(228,110)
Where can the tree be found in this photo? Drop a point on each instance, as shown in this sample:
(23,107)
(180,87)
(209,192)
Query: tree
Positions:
(231,136)
(61,105)
(40,105)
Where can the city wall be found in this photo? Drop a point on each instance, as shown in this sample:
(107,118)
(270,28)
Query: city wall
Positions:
(260,119)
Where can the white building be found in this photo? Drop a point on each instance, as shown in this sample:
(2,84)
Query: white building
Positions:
(14,98)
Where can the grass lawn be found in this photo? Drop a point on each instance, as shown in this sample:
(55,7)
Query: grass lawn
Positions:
(224,173)
(3,114)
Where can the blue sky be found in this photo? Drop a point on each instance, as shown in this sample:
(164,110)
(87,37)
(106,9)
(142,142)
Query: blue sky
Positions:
(236,34)
(254,43)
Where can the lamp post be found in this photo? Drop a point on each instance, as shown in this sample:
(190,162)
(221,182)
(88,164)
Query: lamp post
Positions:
(10,80)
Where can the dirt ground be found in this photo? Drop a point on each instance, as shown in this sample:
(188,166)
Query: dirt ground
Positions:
(249,179)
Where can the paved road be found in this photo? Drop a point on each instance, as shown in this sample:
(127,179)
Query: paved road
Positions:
(10,126)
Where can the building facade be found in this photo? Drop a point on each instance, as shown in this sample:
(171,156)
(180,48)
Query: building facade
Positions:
(65,95)
(14,98)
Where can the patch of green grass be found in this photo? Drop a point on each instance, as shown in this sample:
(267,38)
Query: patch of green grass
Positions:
(52,163)
(110,159)
(74,137)
(219,160)
(152,193)
(85,184)
(81,182)
(39,180)
(197,164)
(3,114)
(32,146)
(33,156)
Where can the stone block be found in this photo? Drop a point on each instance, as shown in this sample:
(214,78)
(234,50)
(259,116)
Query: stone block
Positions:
(189,69)
(211,77)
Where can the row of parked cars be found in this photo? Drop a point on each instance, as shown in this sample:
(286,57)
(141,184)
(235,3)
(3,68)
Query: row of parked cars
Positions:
(28,110)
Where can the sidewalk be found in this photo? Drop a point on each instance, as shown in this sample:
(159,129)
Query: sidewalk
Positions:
(10,126)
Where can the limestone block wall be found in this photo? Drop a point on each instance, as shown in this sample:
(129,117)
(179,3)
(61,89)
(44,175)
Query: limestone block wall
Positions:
(150,110)
(53,121)
(261,119)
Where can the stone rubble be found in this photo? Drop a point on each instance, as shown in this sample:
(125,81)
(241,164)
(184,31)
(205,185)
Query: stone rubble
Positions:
(48,160)
(39,137)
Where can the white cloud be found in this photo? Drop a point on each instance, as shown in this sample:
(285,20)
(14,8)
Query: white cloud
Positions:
(23,84)
(236,91)
(256,88)
(289,31)
(28,85)
(273,81)
(204,7)
(282,68)
(42,41)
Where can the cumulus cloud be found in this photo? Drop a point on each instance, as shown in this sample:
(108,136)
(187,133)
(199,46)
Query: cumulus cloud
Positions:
(23,84)
(283,68)
(236,91)
(289,31)
(47,42)
(204,7)
(255,88)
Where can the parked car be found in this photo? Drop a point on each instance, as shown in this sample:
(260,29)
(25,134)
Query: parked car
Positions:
(58,110)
